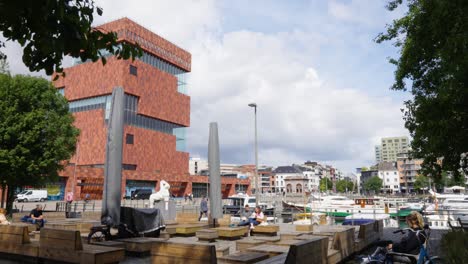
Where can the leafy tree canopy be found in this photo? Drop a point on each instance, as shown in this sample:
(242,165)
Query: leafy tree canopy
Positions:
(373,184)
(364,169)
(433,64)
(325,184)
(49,29)
(421,182)
(36,132)
(344,186)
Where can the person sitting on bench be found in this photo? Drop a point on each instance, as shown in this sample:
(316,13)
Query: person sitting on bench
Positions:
(36,217)
(255,219)
(244,216)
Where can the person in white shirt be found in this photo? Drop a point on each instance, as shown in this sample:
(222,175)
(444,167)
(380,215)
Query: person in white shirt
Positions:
(257,217)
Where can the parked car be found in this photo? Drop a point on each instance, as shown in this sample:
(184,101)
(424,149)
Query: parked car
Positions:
(141,194)
(32,196)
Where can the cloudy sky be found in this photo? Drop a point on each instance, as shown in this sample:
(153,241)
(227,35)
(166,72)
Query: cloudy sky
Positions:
(320,81)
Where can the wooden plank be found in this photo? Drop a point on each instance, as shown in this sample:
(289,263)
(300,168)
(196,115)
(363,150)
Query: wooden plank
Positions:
(280,259)
(111,243)
(222,250)
(292,235)
(334,256)
(244,257)
(287,242)
(268,240)
(231,232)
(266,229)
(30,249)
(60,239)
(207,234)
(303,228)
(61,255)
(243,244)
(324,244)
(101,254)
(140,244)
(170,252)
(271,250)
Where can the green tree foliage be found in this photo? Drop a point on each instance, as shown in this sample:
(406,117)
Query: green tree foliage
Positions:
(36,132)
(49,29)
(453,247)
(344,186)
(364,169)
(448,181)
(433,64)
(373,184)
(325,184)
(421,182)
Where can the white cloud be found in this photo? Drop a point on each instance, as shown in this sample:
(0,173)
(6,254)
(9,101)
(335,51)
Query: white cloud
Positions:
(301,116)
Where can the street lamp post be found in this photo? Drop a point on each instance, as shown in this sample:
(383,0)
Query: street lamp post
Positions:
(254,105)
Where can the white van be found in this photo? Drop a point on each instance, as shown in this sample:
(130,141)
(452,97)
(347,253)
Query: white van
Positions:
(32,196)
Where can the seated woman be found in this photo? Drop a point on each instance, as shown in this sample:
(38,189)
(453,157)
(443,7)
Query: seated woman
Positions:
(3,220)
(256,218)
(410,243)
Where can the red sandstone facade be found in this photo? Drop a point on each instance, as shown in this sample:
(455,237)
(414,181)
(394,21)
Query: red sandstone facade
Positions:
(151,155)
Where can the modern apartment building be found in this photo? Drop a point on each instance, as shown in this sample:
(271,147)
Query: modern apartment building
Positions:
(392,146)
(408,169)
(378,154)
(156,114)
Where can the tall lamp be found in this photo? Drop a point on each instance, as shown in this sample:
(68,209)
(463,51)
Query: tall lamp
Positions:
(254,105)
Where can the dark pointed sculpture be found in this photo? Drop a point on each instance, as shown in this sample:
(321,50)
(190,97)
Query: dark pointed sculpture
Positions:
(113,167)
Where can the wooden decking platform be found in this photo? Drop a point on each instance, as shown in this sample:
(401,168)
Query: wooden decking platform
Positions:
(322,245)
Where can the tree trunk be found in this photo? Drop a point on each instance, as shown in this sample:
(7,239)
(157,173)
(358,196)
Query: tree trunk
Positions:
(3,196)
(10,199)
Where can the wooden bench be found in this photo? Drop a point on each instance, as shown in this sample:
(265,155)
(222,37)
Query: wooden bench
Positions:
(14,239)
(366,236)
(302,252)
(207,235)
(292,235)
(307,251)
(269,230)
(139,244)
(66,246)
(231,233)
(188,229)
(243,244)
(225,221)
(280,259)
(342,238)
(271,250)
(187,218)
(222,250)
(303,228)
(267,239)
(326,243)
(244,258)
(170,252)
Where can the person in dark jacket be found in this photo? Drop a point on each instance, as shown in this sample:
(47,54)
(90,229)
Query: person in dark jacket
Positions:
(203,208)
(413,239)
(409,244)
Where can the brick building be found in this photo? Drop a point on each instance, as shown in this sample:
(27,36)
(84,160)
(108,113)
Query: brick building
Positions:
(157,112)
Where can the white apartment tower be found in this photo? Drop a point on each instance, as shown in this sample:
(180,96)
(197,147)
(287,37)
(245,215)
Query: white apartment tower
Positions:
(378,154)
